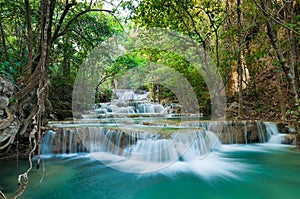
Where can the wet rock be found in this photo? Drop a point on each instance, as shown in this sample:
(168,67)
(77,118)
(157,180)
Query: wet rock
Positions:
(241,132)
(10,130)
(62,114)
(9,121)
(6,87)
(290,139)
(4,101)
(283,128)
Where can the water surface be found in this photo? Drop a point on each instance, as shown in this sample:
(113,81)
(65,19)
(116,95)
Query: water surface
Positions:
(237,171)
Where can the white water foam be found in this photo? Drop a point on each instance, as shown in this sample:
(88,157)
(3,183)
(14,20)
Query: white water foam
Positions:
(274,136)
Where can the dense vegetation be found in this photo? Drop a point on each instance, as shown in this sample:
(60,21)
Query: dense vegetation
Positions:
(254,45)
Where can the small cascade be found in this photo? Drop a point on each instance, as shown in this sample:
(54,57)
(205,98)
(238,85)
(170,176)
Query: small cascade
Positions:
(261,132)
(46,147)
(129,102)
(244,123)
(238,132)
(150,108)
(273,134)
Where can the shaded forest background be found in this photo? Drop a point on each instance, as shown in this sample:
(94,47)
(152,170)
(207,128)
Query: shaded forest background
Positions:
(254,44)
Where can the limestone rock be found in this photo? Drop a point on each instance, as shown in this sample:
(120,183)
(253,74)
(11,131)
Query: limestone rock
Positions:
(241,132)
(6,87)
(4,101)
(10,130)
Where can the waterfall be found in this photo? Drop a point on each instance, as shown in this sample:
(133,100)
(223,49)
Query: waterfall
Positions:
(261,132)
(245,131)
(141,148)
(133,144)
(273,134)
(150,108)
(241,132)
(46,147)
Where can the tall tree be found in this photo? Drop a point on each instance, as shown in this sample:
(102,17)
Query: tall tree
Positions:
(266,7)
(239,57)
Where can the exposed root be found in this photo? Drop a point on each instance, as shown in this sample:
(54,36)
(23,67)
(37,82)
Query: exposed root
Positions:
(2,196)
(26,122)
(7,121)
(24,176)
(11,139)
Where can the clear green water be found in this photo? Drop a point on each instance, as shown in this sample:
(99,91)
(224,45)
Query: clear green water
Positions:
(236,172)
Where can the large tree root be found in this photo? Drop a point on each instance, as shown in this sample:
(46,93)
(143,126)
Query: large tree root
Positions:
(24,176)
(11,139)
(2,196)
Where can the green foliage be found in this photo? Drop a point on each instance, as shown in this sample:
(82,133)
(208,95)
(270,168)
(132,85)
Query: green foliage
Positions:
(8,69)
(211,23)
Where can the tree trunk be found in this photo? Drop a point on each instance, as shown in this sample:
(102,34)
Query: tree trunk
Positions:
(240,66)
(291,10)
(66,58)
(29,37)
(280,96)
(289,13)
(3,42)
(279,55)
(47,8)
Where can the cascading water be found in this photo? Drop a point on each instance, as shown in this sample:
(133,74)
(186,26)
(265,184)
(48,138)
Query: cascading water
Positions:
(47,143)
(96,139)
(130,102)
(274,136)
(122,147)
(156,140)
(129,143)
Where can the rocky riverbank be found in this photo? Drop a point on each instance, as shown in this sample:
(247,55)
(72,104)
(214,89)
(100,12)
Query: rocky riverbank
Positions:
(9,124)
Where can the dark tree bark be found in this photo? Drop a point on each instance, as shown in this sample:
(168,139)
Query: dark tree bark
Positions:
(29,36)
(240,66)
(279,55)
(4,42)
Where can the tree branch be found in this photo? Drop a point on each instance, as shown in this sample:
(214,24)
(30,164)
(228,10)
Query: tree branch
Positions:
(62,17)
(2,195)
(11,139)
(275,20)
(64,31)
(82,36)
(102,81)
(195,29)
